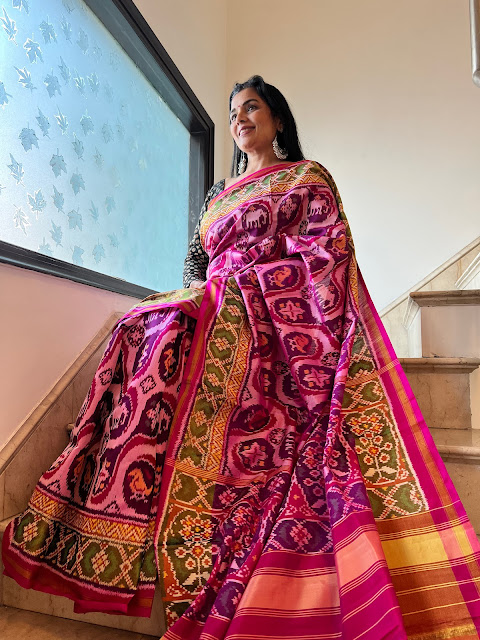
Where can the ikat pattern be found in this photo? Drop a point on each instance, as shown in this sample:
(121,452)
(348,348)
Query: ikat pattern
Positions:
(252,447)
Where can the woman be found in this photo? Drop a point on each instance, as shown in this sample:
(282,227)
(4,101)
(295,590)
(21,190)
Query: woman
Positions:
(253,438)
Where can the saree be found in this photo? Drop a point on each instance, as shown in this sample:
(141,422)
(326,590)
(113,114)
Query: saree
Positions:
(257,449)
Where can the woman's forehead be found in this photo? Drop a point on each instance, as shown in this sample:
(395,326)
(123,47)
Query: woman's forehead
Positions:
(244,95)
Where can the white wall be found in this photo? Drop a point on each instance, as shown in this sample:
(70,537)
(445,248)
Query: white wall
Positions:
(383,96)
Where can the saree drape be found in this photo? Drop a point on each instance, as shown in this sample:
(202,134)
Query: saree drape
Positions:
(257,448)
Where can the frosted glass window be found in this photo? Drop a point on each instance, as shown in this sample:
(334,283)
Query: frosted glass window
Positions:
(94,166)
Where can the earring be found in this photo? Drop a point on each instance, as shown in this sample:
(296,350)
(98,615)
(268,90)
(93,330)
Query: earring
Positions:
(278,151)
(242,165)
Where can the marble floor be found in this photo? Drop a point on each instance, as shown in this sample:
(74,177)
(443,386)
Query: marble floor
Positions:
(17,624)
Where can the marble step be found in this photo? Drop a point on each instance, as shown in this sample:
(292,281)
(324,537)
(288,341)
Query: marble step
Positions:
(460,450)
(18,624)
(447,390)
(14,596)
(443,324)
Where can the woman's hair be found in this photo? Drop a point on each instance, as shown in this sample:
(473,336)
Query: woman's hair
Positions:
(288,138)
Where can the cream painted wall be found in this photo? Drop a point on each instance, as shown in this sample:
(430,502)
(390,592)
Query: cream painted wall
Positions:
(46,322)
(383,96)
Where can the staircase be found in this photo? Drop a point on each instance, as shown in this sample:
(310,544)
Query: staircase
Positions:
(443,330)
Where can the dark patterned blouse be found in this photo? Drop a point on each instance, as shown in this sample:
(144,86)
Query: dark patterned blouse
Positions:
(196,262)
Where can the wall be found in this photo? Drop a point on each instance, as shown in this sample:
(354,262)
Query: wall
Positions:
(383,96)
(46,322)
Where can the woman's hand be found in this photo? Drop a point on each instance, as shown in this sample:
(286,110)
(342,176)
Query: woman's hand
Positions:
(197,284)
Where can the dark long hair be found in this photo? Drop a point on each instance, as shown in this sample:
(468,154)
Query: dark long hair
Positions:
(288,138)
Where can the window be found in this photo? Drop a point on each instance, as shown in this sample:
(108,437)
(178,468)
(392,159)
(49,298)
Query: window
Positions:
(106,152)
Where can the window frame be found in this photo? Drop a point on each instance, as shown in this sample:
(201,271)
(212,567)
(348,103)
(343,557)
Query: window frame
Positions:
(177,94)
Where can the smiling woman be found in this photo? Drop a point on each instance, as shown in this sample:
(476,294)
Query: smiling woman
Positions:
(253,443)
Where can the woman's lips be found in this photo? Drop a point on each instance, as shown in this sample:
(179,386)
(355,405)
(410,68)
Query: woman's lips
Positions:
(244,132)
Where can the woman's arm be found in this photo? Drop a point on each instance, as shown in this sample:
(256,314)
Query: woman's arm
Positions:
(196,261)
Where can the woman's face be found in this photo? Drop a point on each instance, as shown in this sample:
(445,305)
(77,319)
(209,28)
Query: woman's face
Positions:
(251,122)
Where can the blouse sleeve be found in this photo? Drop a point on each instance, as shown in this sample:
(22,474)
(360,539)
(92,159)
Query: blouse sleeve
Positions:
(196,261)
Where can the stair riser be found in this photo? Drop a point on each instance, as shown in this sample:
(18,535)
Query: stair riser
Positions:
(444,398)
(466,479)
(446,331)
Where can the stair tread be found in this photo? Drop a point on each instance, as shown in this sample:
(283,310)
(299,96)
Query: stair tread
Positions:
(454,297)
(448,365)
(18,623)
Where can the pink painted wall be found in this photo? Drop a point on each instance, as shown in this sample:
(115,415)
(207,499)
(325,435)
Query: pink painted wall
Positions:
(45,323)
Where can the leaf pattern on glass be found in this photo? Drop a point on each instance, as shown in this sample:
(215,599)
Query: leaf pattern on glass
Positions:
(20,219)
(33,50)
(98,252)
(37,202)
(45,248)
(66,28)
(113,240)
(94,83)
(43,123)
(16,170)
(77,255)
(68,5)
(75,219)
(77,182)
(25,78)
(109,204)
(78,147)
(94,211)
(28,138)
(58,164)
(79,83)
(62,122)
(48,32)
(20,4)
(108,91)
(58,199)
(4,96)
(56,233)
(87,124)
(64,70)
(9,25)
(82,40)
(98,158)
(107,132)
(53,85)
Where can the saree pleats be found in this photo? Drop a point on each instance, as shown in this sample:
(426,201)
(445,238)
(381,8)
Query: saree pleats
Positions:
(258,450)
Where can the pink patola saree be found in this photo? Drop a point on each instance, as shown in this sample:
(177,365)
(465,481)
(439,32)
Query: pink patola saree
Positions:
(258,450)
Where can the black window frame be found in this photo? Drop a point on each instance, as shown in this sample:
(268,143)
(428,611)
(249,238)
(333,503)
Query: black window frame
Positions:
(177,94)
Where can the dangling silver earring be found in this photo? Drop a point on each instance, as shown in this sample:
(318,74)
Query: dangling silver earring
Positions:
(278,151)
(242,165)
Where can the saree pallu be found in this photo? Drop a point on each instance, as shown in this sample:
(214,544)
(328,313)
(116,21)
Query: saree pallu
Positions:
(257,448)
